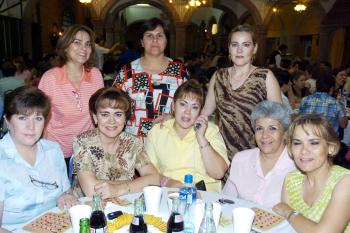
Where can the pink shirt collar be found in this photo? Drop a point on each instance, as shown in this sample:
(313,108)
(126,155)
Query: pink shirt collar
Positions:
(278,169)
(63,78)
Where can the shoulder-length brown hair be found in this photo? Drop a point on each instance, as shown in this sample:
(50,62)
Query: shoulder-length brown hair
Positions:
(68,38)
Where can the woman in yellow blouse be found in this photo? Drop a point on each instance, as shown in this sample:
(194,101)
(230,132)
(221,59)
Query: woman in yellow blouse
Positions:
(315,198)
(178,148)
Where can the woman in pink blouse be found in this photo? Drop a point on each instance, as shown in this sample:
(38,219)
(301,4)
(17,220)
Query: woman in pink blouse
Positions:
(257,174)
(70,86)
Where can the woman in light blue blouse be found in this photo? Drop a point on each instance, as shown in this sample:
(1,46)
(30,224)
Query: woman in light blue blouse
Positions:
(33,176)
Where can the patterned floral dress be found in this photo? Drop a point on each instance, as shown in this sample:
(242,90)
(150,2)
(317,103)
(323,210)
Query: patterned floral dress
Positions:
(234,108)
(152,94)
(90,156)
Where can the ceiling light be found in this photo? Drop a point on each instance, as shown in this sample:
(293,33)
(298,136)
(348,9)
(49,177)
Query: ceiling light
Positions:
(299,7)
(85,1)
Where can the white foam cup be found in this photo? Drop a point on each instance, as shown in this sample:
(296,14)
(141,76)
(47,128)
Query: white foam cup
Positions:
(242,219)
(78,212)
(153,195)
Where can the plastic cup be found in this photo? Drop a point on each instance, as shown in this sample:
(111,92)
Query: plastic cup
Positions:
(78,212)
(242,220)
(152,196)
(199,213)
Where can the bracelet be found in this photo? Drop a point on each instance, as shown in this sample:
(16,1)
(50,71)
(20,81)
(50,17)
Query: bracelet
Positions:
(206,145)
(293,212)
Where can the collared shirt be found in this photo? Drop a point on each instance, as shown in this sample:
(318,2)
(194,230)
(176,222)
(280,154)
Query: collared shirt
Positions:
(69,115)
(321,102)
(21,185)
(248,182)
(175,157)
(152,94)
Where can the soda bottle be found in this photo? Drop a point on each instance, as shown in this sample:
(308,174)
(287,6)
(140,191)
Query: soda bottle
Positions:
(208,224)
(175,222)
(98,222)
(84,225)
(138,224)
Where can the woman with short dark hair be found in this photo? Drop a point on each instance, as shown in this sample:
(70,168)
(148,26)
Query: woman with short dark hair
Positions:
(33,176)
(105,158)
(151,80)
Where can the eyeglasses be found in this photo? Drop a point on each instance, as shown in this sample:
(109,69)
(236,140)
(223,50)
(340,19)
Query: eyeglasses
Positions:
(38,183)
(78,100)
(158,36)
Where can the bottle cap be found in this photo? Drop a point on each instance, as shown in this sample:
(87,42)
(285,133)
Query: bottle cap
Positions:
(188,178)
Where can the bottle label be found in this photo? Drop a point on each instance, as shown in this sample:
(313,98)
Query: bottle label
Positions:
(135,221)
(99,230)
(178,218)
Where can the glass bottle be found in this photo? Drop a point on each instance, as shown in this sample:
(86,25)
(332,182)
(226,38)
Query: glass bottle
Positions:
(208,224)
(84,225)
(175,222)
(138,224)
(98,222)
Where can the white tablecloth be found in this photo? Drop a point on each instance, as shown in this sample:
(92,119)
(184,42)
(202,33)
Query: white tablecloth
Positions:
(207,197)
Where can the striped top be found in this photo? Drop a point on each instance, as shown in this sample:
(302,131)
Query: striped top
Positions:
(294,184)
(69,115)
(235,106)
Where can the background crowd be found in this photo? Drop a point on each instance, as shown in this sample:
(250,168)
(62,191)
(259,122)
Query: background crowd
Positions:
(267,135)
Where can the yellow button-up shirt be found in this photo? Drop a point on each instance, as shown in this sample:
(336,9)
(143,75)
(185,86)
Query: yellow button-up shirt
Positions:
(174,157)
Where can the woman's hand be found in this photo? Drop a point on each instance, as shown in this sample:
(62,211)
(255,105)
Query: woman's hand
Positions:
(109,190)
(282,209)
(161,119)
(67,200)
(106,189)
(201,125)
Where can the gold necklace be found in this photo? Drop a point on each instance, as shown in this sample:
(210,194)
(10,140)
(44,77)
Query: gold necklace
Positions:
(244,75)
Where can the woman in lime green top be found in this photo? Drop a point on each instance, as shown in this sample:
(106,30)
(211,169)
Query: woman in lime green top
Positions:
(316,198)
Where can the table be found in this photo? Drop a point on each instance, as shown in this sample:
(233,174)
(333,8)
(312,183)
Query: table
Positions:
(207,197)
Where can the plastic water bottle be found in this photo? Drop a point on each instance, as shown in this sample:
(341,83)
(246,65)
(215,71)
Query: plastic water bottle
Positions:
(188,196)
(188,192)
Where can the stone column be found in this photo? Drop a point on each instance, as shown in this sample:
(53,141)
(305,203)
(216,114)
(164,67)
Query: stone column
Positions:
(325,41)
(180,39)
(261,33)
